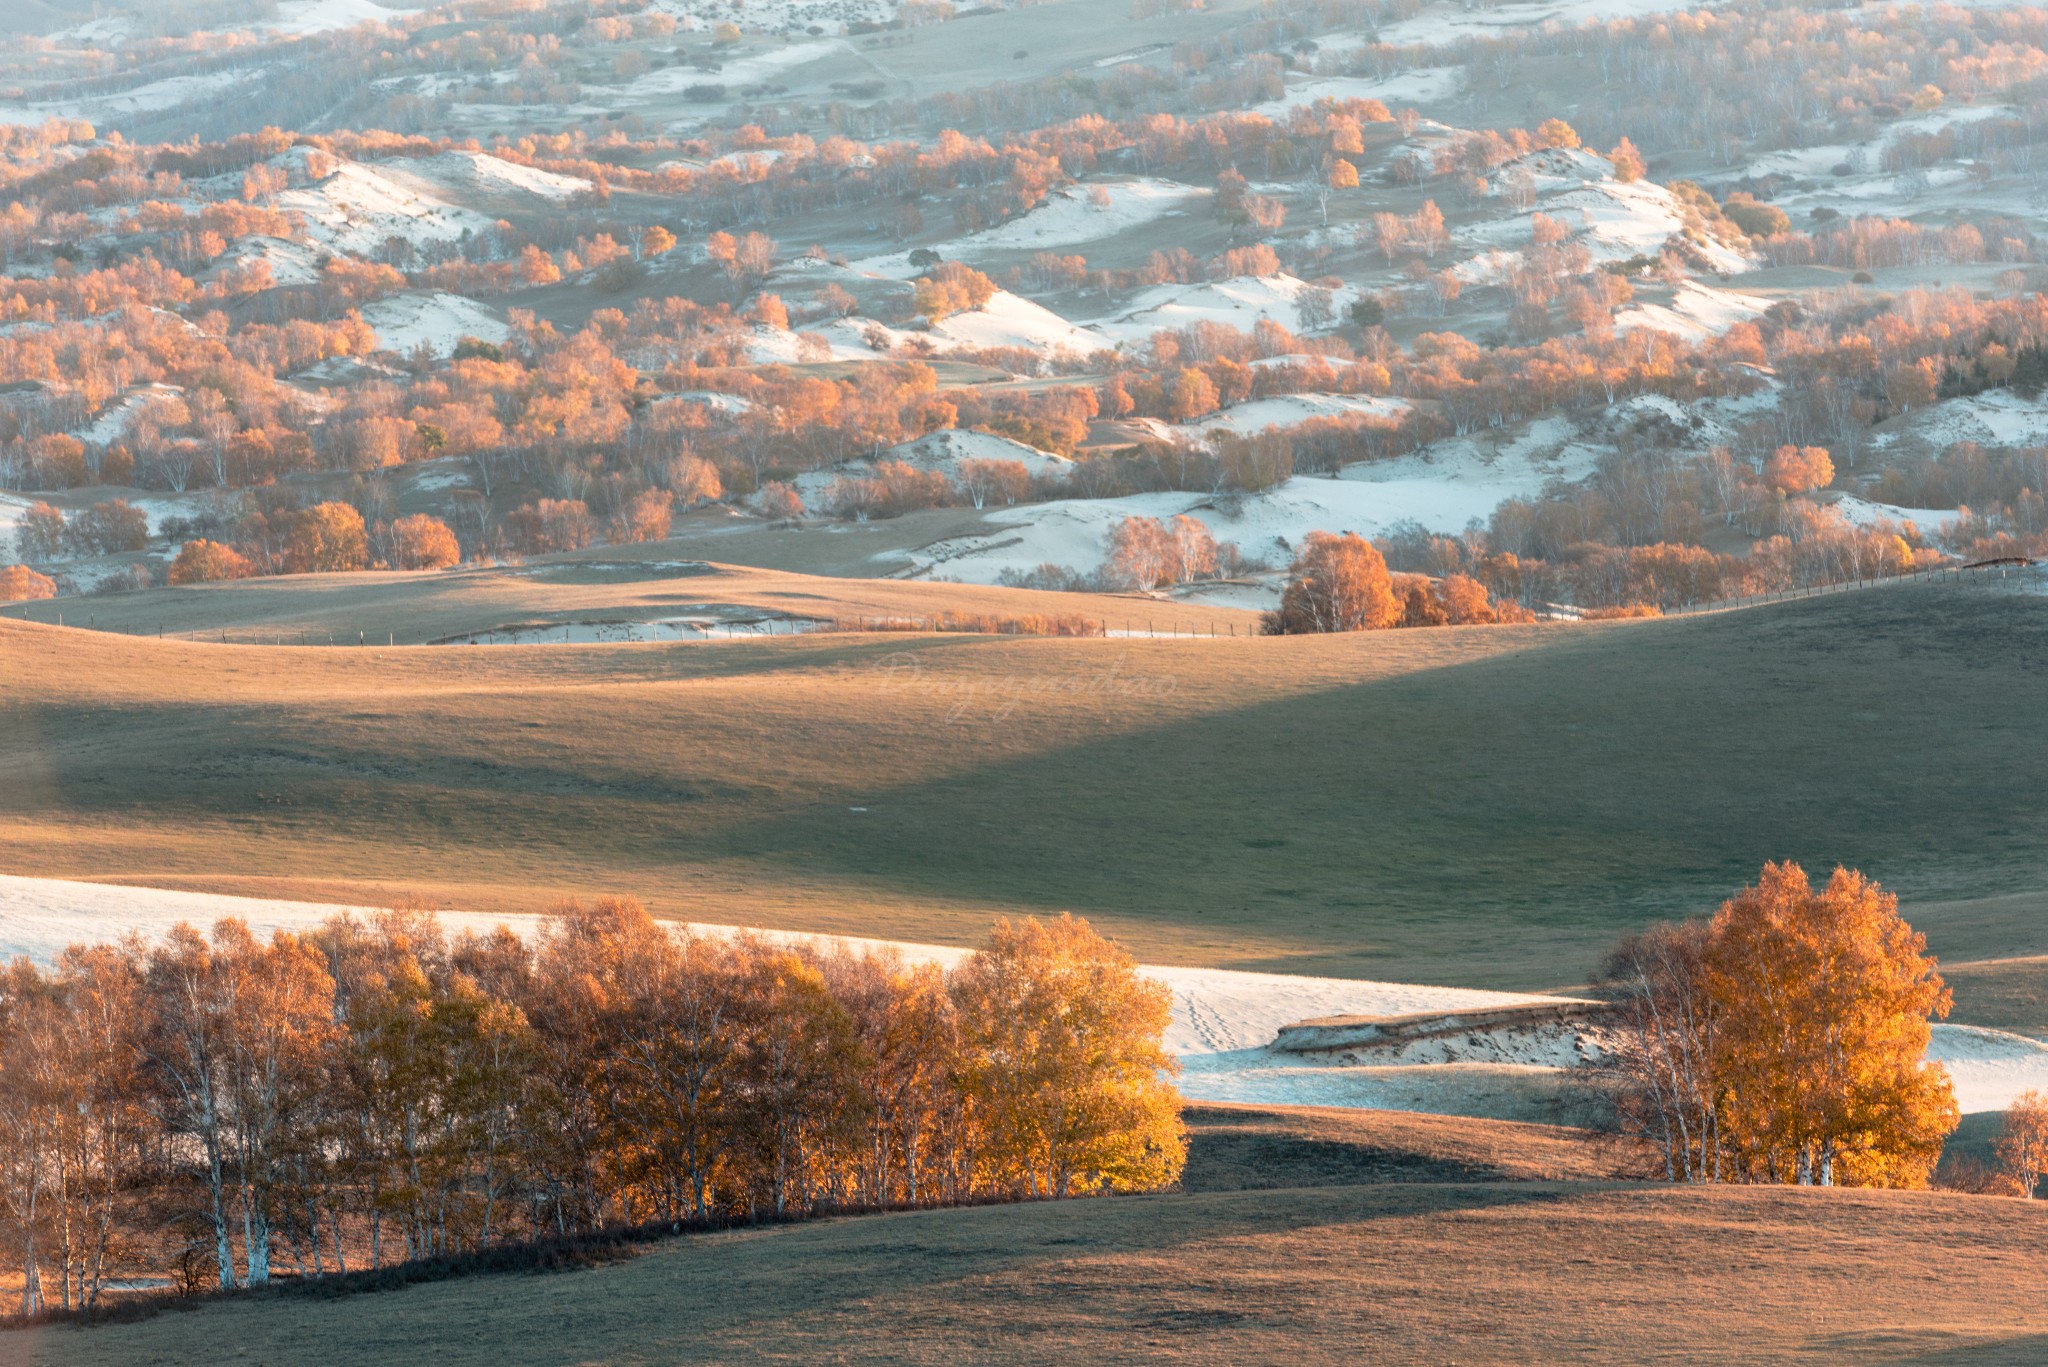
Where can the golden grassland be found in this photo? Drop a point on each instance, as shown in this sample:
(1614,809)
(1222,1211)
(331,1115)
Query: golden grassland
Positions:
(1379,1237)
(1476,805)
(613,585)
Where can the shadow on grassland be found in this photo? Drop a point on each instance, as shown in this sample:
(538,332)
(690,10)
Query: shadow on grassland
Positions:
(1498,820)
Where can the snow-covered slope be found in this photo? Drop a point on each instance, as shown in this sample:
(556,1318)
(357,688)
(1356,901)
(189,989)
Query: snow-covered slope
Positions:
(1008,320)
(1997,417)
(357,208)
(1240,303)
(291,263)
(1068,217)
(437,320)
(947,451)
(1291,410)
(1695,313)
(1223,1020)
(1229,1015)
(1612,219)
(304,17)
(1443,492)
(478,173)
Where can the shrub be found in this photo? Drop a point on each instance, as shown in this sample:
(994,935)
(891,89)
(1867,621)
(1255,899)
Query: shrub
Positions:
(326,538)
(40,533)
(208,562)
(550,524)
(1337,583)
(19,583)
(420,542)
(109,528)
(779,501)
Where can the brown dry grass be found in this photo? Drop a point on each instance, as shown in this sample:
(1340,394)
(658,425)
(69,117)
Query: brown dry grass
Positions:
(613,584)
(1345,1267)
(1480,805)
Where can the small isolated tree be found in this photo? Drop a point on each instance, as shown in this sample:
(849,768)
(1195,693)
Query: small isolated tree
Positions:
(1343,175)
(1799,469)
(2022,1144)
(19,583)
(779,502)
(1465,601)
(952,288)
(657,241)
(695,480)
(1420,607)
(1824,998)
(1664,1047)
(993,481)
(40,533)
(647,516)
(1140,554)
(536,267)
(1755,218)
(1628,162)
(551,524)
(325,538)
(1195,553)
(107,528)
(1785,1040)
(421,542)
(1337,583)
(1193,394)
(1062,1062)
(209,562)
(1556,133)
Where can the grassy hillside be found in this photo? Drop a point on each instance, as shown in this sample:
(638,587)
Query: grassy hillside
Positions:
(1461,1262)
(1485,805)
(615,584)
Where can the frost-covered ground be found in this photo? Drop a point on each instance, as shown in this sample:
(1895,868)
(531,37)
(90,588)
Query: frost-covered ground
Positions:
(1006,320)
(632,633)
(669,82)
(1613,220)
(358,208)
(1695,313)
(1863,512)
(435,320)
(1290,410)
(1223,1020)
(12,506)
(1997,417)
(114,108)
(306,17)
(1444,490)
(481,173)
(777,16)
(1239,303)
(1068,217)
(1452,23)
(1422,85)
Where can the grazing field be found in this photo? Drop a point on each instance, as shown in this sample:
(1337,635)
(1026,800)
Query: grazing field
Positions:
(1484,806)
(1375,1237)
(612,587)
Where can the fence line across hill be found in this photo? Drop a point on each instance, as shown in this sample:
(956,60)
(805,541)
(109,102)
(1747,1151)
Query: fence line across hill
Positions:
(1933,575)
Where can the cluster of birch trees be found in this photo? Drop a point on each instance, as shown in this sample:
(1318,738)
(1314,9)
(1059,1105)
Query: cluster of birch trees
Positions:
(210,1107)
(1785,1039)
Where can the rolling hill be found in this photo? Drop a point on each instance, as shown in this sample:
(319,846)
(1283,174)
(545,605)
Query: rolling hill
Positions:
(1480,806)
(1370,1236)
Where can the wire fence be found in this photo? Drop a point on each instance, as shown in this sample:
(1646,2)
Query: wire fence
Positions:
(1992,571)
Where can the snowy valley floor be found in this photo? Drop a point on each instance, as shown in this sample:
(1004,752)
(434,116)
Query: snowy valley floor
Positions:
(1224,1021)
